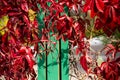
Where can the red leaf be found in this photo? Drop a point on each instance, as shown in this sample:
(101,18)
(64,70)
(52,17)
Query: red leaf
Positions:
(69,33)
(77,51)
(4,2)
(93,9)
(62,17)
(99,5)
(111,50)
(35,23)
(30,61)
(110,69)
(44,38)
(24,6)
(78,27)
(113,14)
(94,6)
(83,63)
(75,8)
(27,52)
(35,35)
(36,47)
(5,38)
(112,75)
(104,66)
(14,13)
(13,39)
(87,6)
(26,20)
(106,14)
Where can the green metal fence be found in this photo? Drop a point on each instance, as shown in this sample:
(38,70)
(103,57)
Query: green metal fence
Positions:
(55,65)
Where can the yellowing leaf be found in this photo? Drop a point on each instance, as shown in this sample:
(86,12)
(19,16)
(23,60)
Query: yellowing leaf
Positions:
(31,14)
(2,32)
(3,23)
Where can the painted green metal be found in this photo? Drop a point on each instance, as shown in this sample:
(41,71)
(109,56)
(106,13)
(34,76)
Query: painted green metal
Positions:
(41,67)
(53,63)
(65,60)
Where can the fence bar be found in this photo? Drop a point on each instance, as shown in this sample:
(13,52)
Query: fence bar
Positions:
(46,59)
(59,65)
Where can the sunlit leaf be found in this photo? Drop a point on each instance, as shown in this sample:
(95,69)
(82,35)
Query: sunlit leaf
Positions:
(31,14)
(3,23)
(83,63)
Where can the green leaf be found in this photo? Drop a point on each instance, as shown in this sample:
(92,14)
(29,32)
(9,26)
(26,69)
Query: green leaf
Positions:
(49,4)
(66,9)
(39,7)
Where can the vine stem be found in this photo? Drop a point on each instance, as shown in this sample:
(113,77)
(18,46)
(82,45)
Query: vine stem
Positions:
(92,29)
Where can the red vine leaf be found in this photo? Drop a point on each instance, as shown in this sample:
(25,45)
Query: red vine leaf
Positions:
(24,6)
(111,50)
(94,5)
(113,14)
(87,5)
(99,5)
(26,20)
(83,62)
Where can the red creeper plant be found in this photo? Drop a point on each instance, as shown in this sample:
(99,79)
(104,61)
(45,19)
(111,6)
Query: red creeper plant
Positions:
(20,32)
(107,13)
(74,25)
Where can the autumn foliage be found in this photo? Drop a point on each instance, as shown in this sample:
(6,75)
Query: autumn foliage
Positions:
(27,23)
